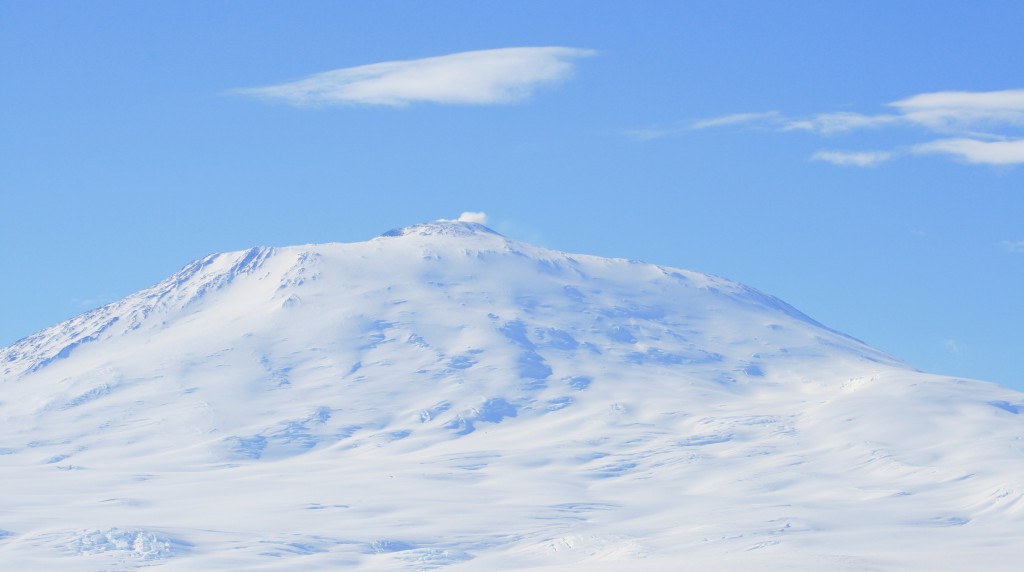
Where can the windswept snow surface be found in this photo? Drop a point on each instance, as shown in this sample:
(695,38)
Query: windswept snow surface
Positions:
(442,398)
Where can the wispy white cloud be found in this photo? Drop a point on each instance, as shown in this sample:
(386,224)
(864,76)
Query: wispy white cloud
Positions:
(975,151)
(650,133)
(482,77)
(984,126)
(853,158)
(839,122)
(762,117)
(963,111)
(941,112)
(1015,246)
(953,347)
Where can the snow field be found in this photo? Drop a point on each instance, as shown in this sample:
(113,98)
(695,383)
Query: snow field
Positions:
(445,398)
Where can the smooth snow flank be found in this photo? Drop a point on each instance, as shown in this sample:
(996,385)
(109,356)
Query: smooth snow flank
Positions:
(442,397)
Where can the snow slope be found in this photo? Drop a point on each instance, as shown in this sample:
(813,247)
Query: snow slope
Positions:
(441,397)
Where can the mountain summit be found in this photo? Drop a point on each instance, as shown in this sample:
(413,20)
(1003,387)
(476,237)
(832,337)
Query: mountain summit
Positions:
(442,228)
(444,397)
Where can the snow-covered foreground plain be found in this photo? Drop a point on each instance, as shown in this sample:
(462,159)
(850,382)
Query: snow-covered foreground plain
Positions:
(444,398)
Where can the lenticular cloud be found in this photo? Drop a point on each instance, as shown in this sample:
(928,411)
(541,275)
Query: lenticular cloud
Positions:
(481,77)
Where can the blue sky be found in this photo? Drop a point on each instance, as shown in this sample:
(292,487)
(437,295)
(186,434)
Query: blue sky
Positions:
(861,160)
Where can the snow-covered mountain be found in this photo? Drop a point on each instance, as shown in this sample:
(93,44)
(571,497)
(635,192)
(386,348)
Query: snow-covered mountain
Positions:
(443,397)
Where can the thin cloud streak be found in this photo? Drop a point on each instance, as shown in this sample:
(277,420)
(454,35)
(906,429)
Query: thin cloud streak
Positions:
(853,159)
(839,122)
(1015,246)
(941,112)
(483,77)
(974,151)
(768,118)
(958,111)
(649,134)
(738,119)
(979,123)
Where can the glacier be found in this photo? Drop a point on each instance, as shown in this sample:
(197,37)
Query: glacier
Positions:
(444,398)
